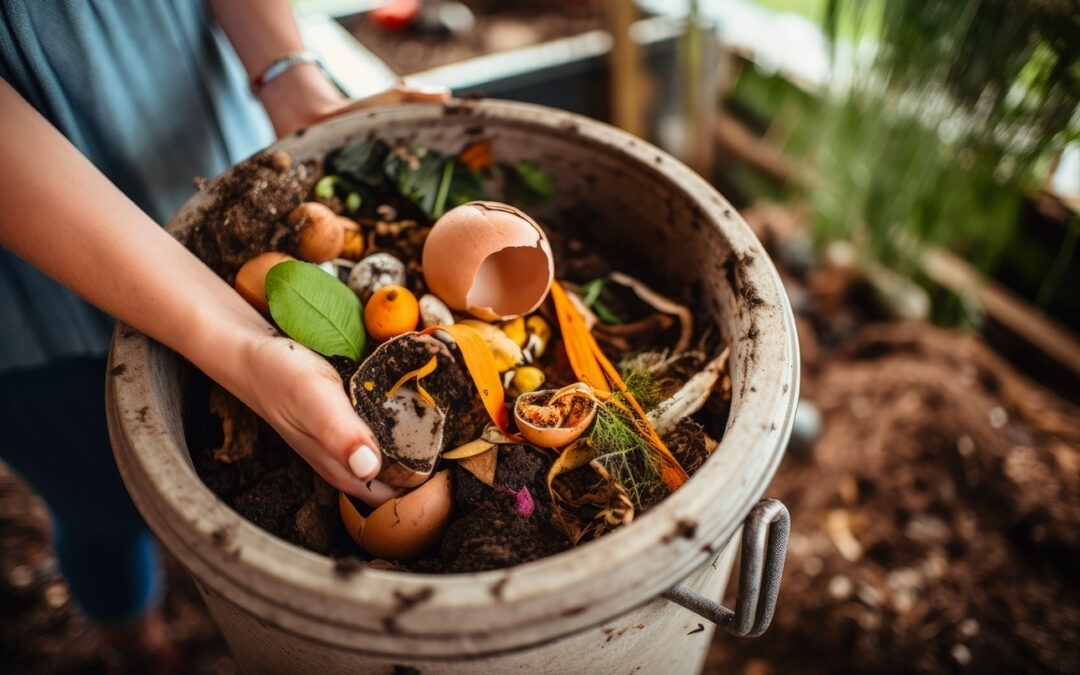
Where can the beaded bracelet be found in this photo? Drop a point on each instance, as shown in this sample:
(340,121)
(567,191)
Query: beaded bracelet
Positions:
(279,66)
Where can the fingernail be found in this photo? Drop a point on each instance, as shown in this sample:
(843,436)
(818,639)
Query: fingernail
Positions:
(363,462)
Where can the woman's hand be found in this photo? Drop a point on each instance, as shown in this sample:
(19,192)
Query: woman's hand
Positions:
(305,97)
(301,395)
(262,31)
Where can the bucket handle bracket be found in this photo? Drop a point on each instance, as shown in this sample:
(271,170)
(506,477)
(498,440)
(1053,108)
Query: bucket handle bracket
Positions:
(764,546)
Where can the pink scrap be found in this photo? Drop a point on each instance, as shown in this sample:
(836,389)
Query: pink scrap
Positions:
(523,500)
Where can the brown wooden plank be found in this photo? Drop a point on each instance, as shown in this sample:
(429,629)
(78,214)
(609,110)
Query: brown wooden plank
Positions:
(1005,307)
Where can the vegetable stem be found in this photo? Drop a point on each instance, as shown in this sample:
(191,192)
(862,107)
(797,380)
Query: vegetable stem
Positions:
(444,188)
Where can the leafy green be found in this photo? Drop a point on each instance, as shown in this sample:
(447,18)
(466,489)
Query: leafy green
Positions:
(316,309)
(416,175)
(432,181)
(591,293)
(354,174)
(465,186)
(444,189)
(642,385)
(940,137)
(604,313)
(527,183)
(361,163)
(626,454)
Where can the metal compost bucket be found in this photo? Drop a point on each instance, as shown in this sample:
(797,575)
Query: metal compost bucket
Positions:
(617,604)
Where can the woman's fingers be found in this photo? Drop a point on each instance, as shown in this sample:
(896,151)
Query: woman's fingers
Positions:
(303,398)
(399,93)
(333,423)
(371,492)
(340,447)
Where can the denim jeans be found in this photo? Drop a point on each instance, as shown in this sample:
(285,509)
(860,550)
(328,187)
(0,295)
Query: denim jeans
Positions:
(53,433)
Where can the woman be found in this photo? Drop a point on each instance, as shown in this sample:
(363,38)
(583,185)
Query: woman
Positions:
(109,110)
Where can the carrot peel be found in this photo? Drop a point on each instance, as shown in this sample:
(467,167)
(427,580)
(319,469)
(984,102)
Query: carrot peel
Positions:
(481,366)
(593,367)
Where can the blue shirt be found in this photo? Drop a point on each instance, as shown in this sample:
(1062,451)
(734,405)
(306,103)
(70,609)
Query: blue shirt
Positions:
(152,93)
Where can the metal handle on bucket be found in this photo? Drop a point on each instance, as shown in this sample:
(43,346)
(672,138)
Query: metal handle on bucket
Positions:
(764,545)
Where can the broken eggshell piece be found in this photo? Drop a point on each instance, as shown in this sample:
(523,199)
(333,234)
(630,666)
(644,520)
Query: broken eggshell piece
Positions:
(417,397)
(405,527)
(488,259)
(555,418)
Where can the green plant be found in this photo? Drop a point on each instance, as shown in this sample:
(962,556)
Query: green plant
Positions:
(948,127)
(626,454)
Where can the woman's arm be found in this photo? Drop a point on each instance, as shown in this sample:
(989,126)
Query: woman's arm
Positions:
(262,31)
(64,217)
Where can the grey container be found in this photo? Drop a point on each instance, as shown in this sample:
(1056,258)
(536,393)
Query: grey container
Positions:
(595,608)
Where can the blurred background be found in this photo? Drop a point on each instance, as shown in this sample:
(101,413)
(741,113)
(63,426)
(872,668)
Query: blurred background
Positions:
(913,168)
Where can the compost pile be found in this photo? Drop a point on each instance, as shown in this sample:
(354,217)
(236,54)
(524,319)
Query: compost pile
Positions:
(515,422)
(936,519)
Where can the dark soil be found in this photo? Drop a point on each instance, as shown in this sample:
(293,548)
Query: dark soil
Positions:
(936,521)
(240,222)
(491,528)
(41,629)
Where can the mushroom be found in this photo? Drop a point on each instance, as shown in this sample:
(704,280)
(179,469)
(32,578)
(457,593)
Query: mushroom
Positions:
(374,272)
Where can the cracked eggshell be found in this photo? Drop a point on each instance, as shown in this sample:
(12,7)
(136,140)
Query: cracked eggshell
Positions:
(555,419)
(488,259)
(405,527)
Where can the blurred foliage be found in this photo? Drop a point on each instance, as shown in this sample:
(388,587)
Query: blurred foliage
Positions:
(952,122)
(815,10)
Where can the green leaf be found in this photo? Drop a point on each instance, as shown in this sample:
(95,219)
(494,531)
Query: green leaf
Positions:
(528,184)
(444,190)
(316,309)
(418,183)
(432,181)
(361,163)
(590,291)
(604,313)
(465,186)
